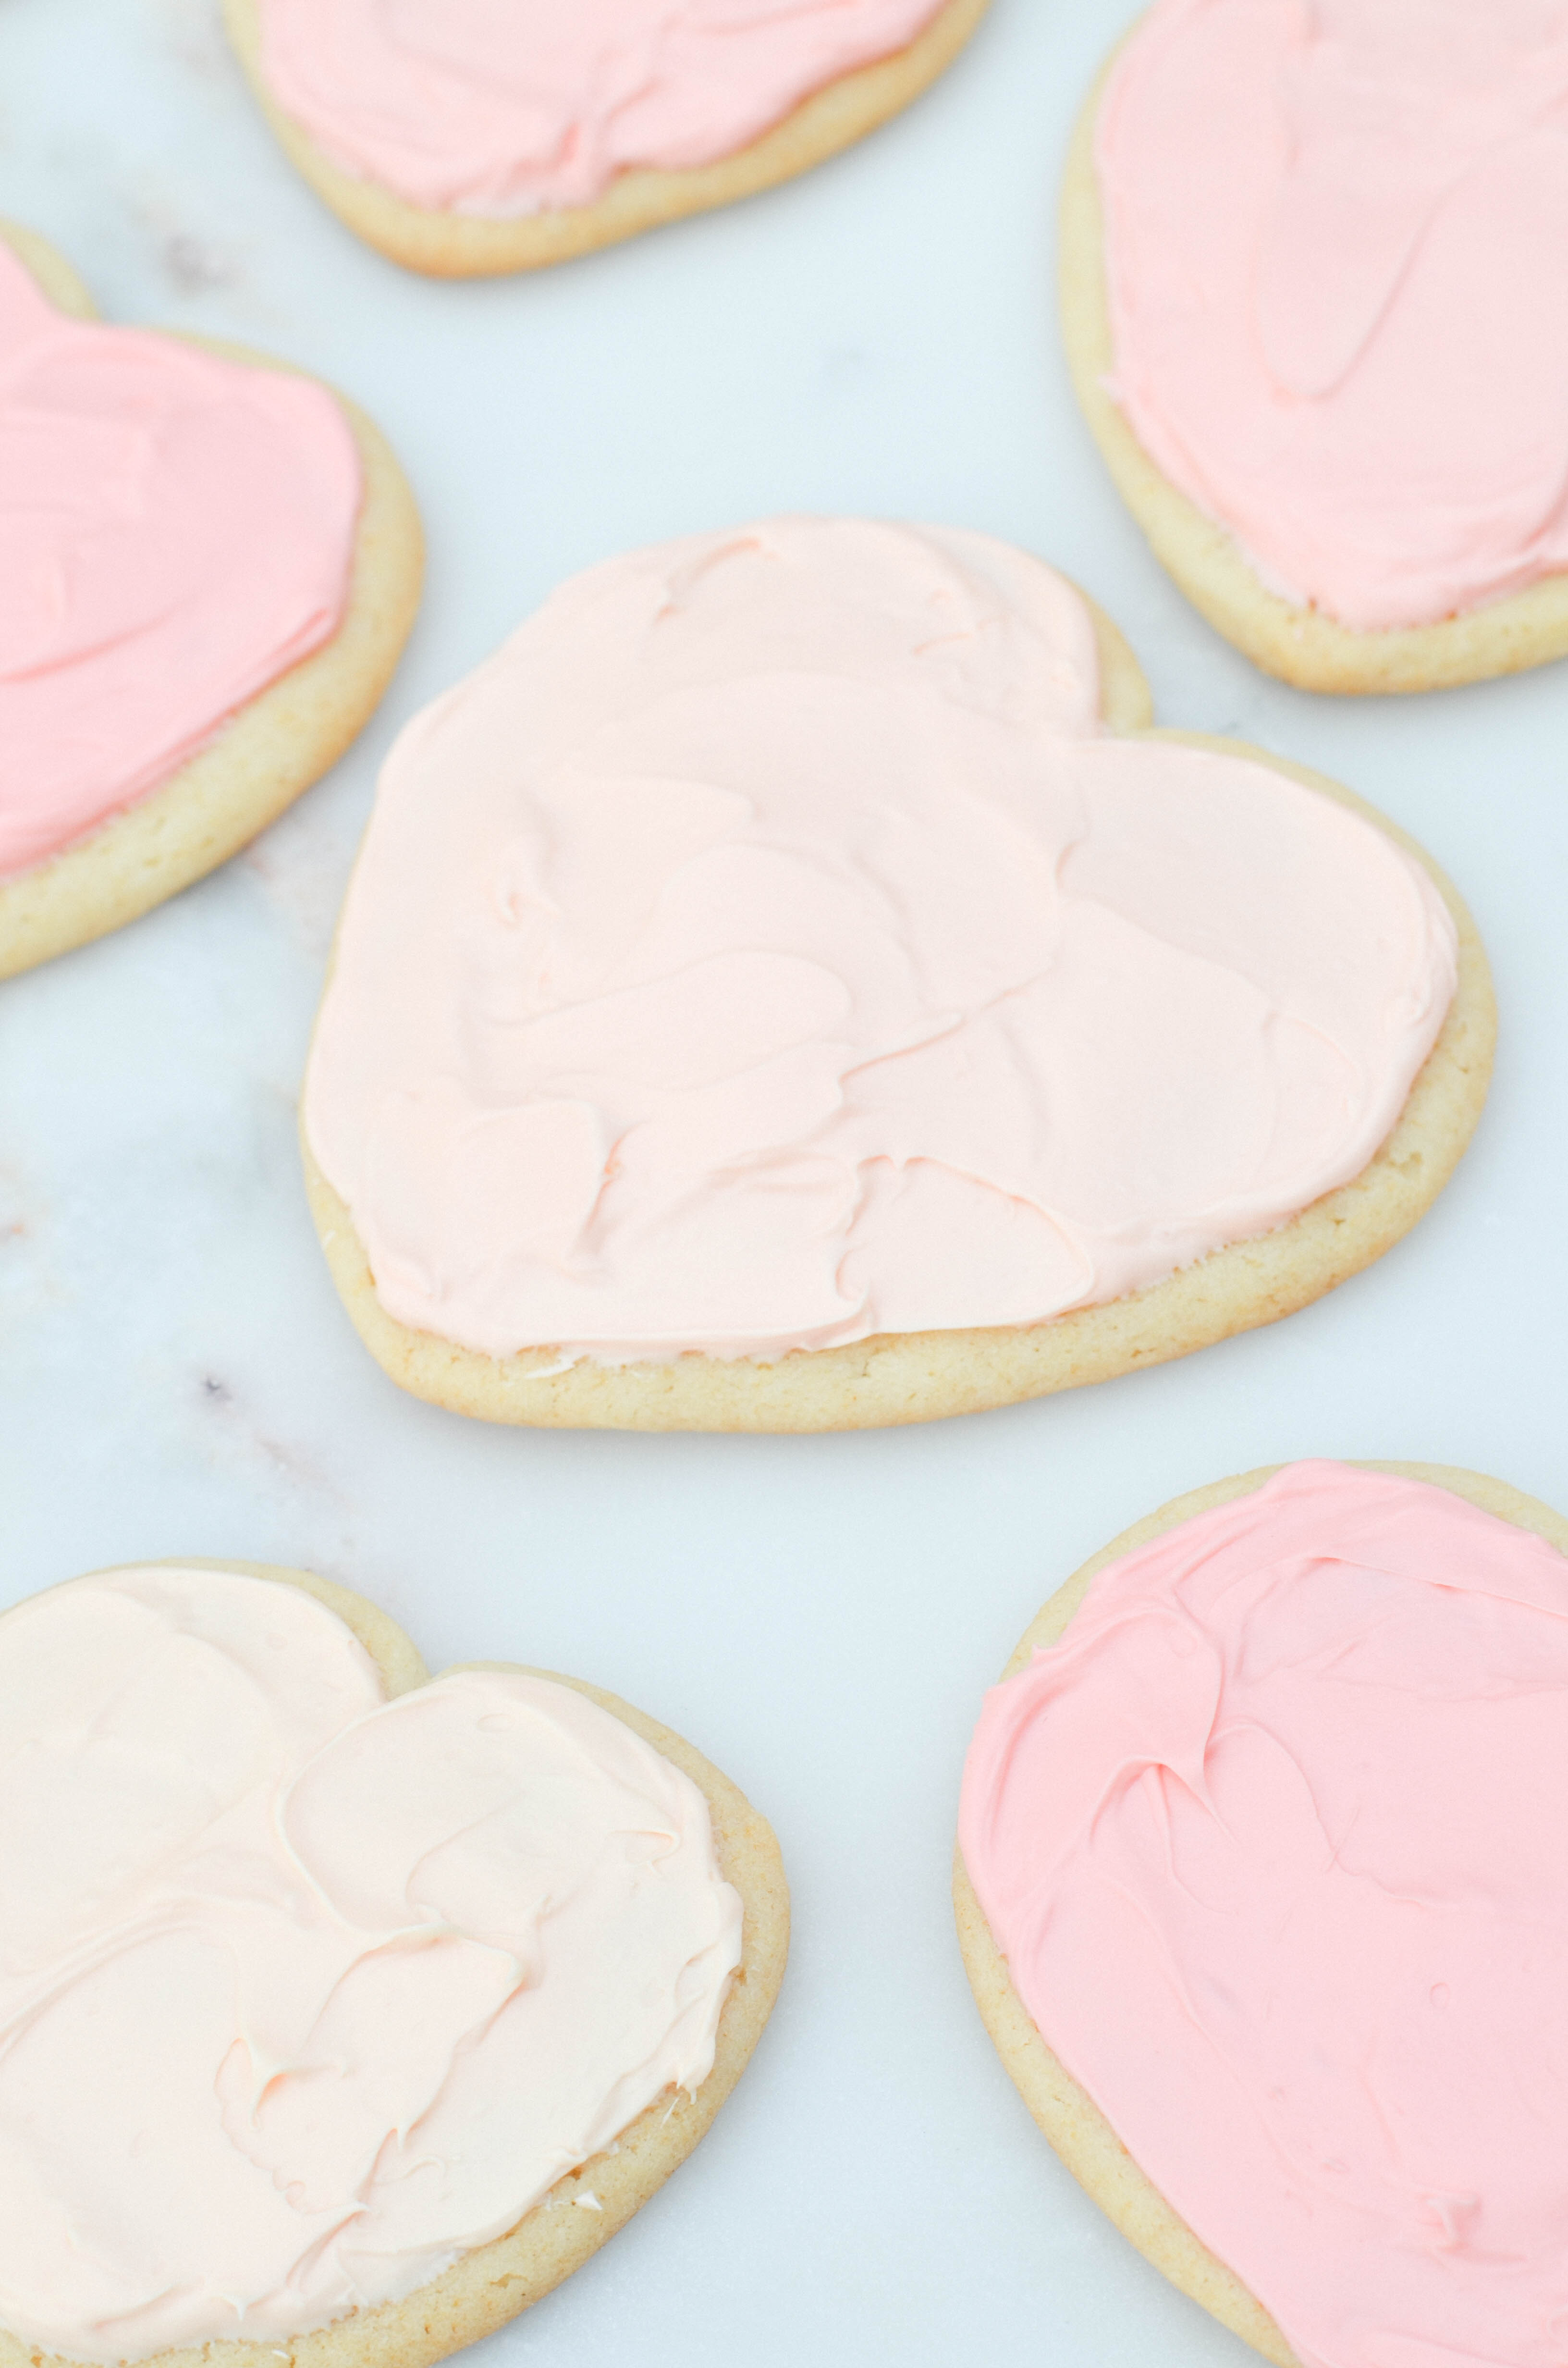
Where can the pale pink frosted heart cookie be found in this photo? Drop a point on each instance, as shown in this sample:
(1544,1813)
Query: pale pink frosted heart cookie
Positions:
(343,2010)
(1262,1891)
(1314,307)
(208,565)
(789,987)
(472,136)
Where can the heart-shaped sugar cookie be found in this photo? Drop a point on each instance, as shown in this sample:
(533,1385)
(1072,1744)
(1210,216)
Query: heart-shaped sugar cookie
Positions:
(1310,302)
(461,137)
(208,565)
(343,2010)
(1263,1896)
(789,987)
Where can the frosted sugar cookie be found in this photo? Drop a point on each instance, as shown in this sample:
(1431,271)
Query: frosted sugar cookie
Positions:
(1314,311)
(208,564)
(1264,1896)
(344,2010)
(789,987)
(463,137)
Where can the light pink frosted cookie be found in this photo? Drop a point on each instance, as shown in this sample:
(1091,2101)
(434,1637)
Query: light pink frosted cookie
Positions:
(789,987)
(344,2010)
(472,136)
(208,565)
(1312,305)
(1265,1904)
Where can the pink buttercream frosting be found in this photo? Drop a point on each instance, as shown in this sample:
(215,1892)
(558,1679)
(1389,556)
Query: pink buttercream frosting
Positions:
(304,1992)
(1271,1841)
(1333,242)
(770,947)
(515,107)
(176,531)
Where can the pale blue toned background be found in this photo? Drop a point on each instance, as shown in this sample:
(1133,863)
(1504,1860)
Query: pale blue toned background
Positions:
(820,1615)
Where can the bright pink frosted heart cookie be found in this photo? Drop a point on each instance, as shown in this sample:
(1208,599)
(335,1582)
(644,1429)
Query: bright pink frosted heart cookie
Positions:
(341,2010)
(1264,1896)
(1311,300)
(468,136)
(786,986)
(208,568)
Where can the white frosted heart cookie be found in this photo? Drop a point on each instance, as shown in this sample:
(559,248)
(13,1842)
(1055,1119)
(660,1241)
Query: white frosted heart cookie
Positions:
(1311,304)
(789,987)
(461,138)
(344,2010)
(1259,1919)
(209,566)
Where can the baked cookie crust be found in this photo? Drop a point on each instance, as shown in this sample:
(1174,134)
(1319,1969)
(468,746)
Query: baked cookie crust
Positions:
(1298,645)
(492,2284)
(270,751)
(1077,2130)
(922,1376)
(450,245)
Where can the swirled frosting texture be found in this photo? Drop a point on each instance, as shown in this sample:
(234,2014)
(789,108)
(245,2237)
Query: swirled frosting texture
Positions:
(768,948)
(302,1992)
(517,107)
(176,531)
(1334,233)
(1271,1843)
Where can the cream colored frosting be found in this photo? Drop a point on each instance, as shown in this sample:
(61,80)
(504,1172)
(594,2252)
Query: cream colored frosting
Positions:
(1272,1843)
(176,531)
(302,1992)
(1333,243)
(515,106)
(768,947)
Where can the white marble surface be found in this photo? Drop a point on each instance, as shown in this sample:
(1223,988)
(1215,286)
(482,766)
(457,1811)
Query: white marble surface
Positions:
(820,1615)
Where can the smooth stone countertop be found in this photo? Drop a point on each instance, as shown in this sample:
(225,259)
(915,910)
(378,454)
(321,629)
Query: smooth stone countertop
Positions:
(819,1615)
